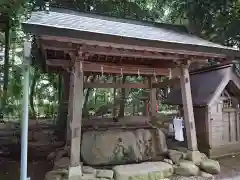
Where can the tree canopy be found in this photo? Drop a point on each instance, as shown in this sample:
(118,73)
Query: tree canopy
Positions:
(217,21)
(213,20)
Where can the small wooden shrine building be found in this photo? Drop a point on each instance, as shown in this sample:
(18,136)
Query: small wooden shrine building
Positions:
(216,100)
(87,43)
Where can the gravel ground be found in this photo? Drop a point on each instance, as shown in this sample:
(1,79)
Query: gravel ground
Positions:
(230,170)
(190,178)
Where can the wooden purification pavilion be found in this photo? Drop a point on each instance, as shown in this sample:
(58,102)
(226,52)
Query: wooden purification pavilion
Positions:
(87,43)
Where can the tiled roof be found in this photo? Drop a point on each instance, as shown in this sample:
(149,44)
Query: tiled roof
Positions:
(203,85)
(82,22)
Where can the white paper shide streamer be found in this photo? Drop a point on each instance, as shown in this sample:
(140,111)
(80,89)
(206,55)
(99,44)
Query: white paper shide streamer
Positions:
(178,128)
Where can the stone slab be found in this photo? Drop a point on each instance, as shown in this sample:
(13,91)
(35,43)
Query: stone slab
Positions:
(143,171)
(105,174)
(89,170)
(75,173)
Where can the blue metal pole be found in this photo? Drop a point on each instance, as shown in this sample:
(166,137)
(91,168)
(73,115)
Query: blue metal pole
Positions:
(24,122)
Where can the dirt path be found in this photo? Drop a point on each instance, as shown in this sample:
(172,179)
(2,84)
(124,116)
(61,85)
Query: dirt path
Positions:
(10,169)
(230,168)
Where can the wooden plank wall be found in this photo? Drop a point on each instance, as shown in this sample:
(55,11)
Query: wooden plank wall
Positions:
(225,125)
(217,124)
(231,124)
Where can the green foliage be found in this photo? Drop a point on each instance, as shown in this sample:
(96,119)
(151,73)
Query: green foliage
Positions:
(134,9)
(214,20)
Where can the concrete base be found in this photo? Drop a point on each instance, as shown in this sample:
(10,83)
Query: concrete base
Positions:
(75,173)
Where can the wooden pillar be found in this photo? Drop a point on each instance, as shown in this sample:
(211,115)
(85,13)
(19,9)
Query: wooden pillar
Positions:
(153,99)
(145,101)
(188,108)
(75,115)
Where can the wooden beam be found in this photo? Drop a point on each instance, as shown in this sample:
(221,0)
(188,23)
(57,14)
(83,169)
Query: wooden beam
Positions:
(165,83)
(188,108)
(124,68)
(110,51)
(75,113)
(153,84)
(59,45)
(59,63)
(111,68)
(195,54)
(114,85)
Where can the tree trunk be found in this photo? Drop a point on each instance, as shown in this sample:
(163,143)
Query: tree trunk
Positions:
(59,88)
(85,110)
(137,107)
(32,93)
(194,23)
(63,109)
(145,93)
(13,53)
(5,70)
(60,93)
(122,101)
(114,98)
